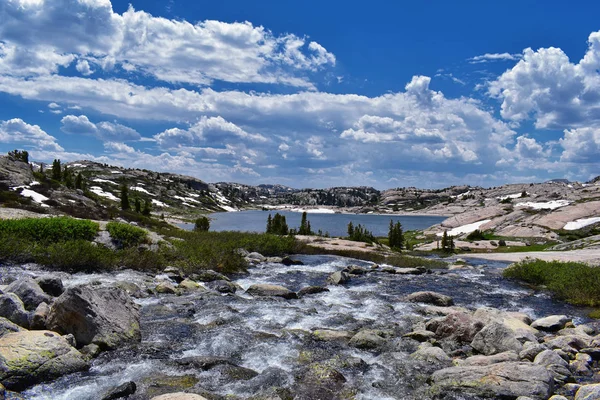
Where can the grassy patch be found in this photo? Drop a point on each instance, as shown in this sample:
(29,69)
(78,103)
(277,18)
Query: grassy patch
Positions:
(126,235)
(49,230)
(576,283)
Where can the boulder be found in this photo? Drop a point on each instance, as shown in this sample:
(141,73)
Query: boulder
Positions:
(30,357)
(420,335)
(330,335)
(29,292)
(7,326)
(266,290)
(165,288)
(431,354)
(51,285)
(39,316)
(410,271)
(179,396)
(222,286)
(107,317)
(189,285)
(552,323)
(355,270)
(531,350)
(209,276)
(496,338)
(502,380)
(367,339)
(554,363)
(124,390)
(320,381)
(458,326)
(287,261)
(507,356)
(12,308)
(588,392)
(338,278)
(312,290)
(437,299)
(255,257)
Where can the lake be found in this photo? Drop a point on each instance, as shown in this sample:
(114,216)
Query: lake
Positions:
(335,224)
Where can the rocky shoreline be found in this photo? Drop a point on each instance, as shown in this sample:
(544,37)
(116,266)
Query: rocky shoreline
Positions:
(445,351)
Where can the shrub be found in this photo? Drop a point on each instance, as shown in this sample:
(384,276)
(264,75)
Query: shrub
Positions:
(576,283)
(49,230)
(475,235)
(126,235)
(76,256)
(202,224)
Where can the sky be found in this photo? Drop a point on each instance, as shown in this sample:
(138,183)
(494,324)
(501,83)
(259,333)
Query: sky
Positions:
(307,94)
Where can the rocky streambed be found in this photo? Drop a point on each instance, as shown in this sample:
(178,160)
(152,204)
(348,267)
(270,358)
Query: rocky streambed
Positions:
(332,328)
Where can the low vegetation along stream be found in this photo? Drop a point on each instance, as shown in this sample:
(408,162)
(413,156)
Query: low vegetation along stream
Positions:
(218,340)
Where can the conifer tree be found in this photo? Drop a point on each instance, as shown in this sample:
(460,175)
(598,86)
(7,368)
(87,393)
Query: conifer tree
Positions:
(269,224)
(147,209)
(137,205)
(124,197)
(79,181)
(56,170)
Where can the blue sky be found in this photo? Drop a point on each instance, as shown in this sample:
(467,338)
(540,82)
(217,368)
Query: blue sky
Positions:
(310,94)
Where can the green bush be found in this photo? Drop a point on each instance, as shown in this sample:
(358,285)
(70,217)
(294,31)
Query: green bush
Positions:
(202,224)
(76,256)
(126,235)
(49,230)
(476,235)
(576,283)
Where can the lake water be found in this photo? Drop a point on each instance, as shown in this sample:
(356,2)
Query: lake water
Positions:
(335,224)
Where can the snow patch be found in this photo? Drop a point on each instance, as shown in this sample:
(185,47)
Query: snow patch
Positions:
(548,205)
(159,203)
(465,228)
(580,223)
(141,189)
(35,196)
(115,172)
(34,183)
(99,180)
(314,210)
(510,196)
(186,199)
(98,190)
(227,208)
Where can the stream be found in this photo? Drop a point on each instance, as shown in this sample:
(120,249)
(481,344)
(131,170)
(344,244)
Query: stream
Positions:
(272,336)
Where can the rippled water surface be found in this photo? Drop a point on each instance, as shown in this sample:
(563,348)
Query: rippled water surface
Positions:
(272,336)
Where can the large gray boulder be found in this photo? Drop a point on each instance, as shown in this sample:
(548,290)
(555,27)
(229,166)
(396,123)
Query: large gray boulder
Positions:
(266,290)
(368,339)
(502,380)
(107,317)
(29,292)
(30,357)
(12,308)
(8,327)
(51,285)
(457,326)
(496,338)
(551,323)
(473,361)
(338,278)
(437,299)
(554,363)
(588,392)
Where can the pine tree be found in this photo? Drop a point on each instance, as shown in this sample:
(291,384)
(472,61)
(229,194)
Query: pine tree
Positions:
(56,171)
(202,224)
(269,224)
(79,182)
(305,225)
(147,209)
(137,205)
(395,235)
(350,229)
(445,241)
(124,197)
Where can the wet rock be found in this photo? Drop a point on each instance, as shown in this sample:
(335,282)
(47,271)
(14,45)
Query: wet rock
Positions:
(312,290)
(459,327)
(179,396)
(266,290)
(90,351)
(30,293)
(588,392)
(502,380)
(158,384)
(189,285)
(123,390)
(329,335)
(255,258)
(552,323)
(420,335)
(507,356)
(30,357)
(437,299)
(165,288)
(173,274)
(39,316)
(203,363)
(107,317)
(222,286)
(355,270)
(237,373)
(12,308)
(496,338)
(368,339)
(410,271)
(132,289)
(431,354)
(338,278)
(209,276)
(51,285)
(320,381)
(287,261)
